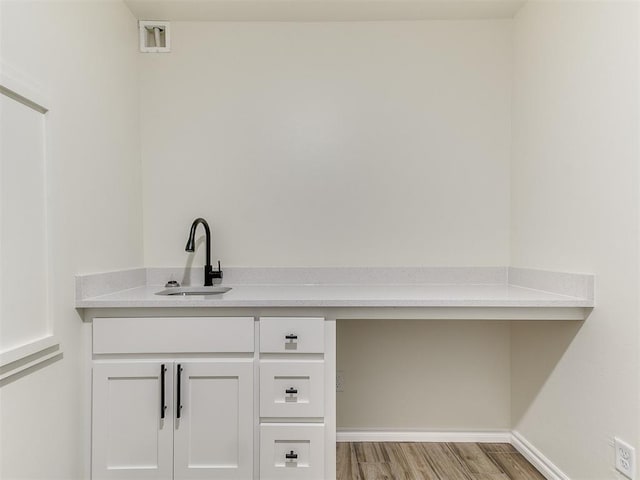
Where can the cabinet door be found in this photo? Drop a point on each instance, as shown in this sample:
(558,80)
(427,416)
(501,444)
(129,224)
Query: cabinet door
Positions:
(130,439)
(214,434)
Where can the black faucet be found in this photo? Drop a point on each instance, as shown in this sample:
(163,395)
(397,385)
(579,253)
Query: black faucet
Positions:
(209,273)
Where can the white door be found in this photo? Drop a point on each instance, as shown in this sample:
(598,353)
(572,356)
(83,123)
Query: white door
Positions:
(214,434)
(130,439)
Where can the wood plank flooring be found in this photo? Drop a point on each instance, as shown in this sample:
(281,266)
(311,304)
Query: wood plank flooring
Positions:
(432,461)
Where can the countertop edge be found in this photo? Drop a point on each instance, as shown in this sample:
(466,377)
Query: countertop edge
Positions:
(574,290)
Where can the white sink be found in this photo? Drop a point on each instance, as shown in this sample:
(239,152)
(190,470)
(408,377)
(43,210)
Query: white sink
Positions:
(184,291)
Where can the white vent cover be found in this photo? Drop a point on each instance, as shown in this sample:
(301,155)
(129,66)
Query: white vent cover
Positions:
(154,36)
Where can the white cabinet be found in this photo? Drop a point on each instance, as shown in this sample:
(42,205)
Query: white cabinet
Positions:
(172,398)
(292,399)
(206,432)
(192,398)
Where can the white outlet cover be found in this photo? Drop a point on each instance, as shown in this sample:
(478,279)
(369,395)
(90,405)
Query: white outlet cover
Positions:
(625,458)
(339,381)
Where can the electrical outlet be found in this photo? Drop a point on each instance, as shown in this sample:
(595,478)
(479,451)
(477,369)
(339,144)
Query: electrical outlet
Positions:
(625,458)
(340,381)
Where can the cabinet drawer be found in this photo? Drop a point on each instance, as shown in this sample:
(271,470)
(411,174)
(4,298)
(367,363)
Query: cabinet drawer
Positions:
(292,452)
(291,335)
(173,335)
(291,389)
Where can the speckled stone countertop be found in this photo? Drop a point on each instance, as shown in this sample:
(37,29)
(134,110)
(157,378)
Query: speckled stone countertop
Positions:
(344,287)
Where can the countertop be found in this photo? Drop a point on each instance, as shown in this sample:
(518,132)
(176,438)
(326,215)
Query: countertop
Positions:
(359,288)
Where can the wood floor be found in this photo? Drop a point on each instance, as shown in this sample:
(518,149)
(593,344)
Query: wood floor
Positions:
(432,461)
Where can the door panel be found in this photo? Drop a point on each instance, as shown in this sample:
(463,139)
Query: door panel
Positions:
(130,439)
(214,434)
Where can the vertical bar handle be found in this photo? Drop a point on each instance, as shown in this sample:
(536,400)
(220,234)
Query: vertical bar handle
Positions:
(163,406)
(178,402)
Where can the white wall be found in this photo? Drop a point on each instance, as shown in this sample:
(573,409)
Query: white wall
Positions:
(329,144)
(575,208)
(84,55)
(320,144)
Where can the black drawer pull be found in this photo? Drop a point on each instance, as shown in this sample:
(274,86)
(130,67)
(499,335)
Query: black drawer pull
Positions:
(163,407)
(291,390)
(291,455)
(178,399)
(291,336)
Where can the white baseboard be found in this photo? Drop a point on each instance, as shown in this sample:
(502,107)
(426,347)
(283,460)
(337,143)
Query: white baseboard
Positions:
(365,435)
(537,459)
(545,466)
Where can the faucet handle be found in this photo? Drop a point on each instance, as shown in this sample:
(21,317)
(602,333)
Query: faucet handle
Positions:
(217,273)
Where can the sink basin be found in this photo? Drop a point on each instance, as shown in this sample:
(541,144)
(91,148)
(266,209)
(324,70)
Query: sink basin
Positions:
(184,291)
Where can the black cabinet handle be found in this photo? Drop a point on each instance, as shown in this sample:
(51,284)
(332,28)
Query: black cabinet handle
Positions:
(163,407)
(178,403)
(291,336)
(291,455)
(291,390)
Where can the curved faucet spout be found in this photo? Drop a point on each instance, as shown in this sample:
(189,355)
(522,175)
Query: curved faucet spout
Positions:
(191,242)
(209,273)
